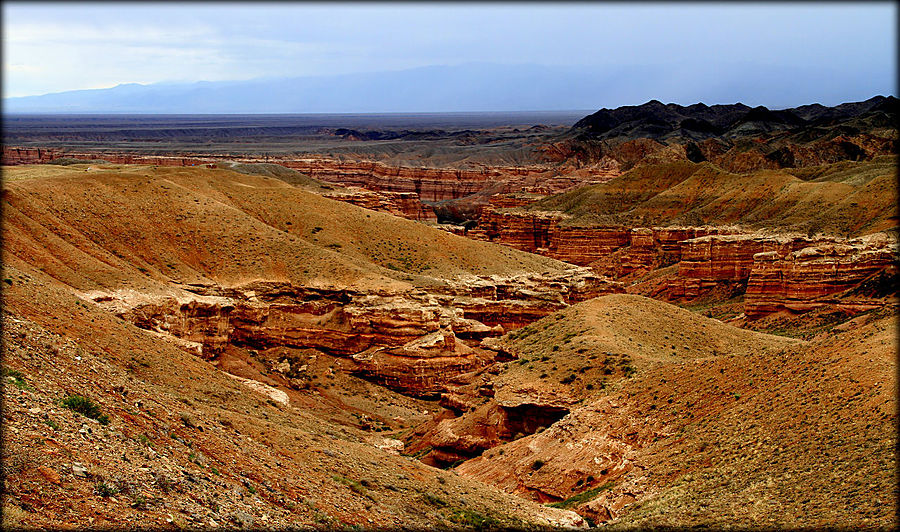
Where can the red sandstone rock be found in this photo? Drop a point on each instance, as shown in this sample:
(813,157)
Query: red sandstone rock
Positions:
(411,342)
(404,204)
(800,280)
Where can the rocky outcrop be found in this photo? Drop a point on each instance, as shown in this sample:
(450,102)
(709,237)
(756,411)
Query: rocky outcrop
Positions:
(734,137)
(413,342)
(431,184)
(722,260)
(17,156)
(801,280)
(404,204)
(710,260)
(543,232)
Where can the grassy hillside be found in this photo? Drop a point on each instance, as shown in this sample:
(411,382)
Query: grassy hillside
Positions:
(588,348)
(165,440)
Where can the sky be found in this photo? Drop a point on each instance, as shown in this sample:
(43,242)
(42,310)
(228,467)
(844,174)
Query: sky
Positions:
(50,47)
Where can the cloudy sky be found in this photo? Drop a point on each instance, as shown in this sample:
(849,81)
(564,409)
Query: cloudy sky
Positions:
(51,47)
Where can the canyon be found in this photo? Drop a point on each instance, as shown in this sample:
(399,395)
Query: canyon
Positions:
(773,272)
(609,330)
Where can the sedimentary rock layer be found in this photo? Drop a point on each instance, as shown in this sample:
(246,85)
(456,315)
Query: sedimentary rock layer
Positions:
(415,343)
(791,272)
(802,279)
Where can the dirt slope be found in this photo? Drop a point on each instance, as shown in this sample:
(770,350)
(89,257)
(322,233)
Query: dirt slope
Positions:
(117,226)
(843,198)
(187,445)
(799,434)
(598,342)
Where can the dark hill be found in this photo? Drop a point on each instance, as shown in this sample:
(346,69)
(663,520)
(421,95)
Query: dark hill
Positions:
(736,137)
(656,120)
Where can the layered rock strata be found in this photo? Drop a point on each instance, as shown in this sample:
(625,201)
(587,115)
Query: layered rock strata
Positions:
(403,204)
(804,279)
(415,342)
(791,272)
(431,184)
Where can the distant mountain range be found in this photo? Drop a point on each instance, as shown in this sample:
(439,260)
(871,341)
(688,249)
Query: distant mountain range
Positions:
(736,137)
(656,120)
(469,87)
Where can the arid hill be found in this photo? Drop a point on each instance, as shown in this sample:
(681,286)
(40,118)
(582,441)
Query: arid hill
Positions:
(714,427)
(735,137)
(840,199)
(182,444)
(209,317)
(200,342)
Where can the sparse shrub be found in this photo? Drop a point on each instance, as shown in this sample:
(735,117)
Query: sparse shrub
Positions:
(434,500)
(583,496)
(188,420)
(537,464)
(105,490)
(354,486)
(17,378)
(568,380)
(464,516)
(165,484)
(85,407)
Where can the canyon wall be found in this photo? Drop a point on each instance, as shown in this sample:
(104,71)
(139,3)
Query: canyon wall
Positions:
(776,273)
(403,204)
(431,184)
(802,279)
(415,343)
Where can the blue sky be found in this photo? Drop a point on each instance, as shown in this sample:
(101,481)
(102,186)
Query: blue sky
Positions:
(51,47)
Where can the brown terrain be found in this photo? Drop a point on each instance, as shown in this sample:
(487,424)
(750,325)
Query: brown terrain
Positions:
(329,340)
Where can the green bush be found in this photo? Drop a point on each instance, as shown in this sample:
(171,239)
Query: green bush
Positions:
(85,407)
(583,496)
(434,500)
(105,490)
(17,378)
(472,518)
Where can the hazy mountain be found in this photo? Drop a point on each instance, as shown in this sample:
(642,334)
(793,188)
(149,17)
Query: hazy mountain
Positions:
(469,87)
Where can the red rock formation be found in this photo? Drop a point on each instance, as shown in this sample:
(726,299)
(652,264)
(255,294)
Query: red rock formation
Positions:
(526,231)
(709,258)
(415,343)
(800,280)
(17,156)
(507,201)
(721,260)
(404,204)
(431,184)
